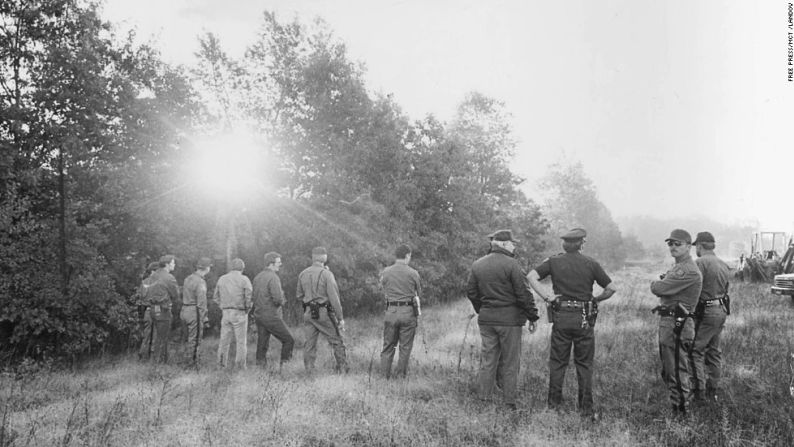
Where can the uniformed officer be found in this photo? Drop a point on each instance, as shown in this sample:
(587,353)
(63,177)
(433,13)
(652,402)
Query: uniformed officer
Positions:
(574,311)
(161,295)
(194,307)
(401,287)
(319,295)
(710,316)
(268,313)
(147,325)
(500,296)
(678,291)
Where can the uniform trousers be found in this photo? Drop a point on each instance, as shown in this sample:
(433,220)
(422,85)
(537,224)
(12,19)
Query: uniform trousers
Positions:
(399,328)
(273,325)
(706,353)
(312,329)
(501,362)
(234,323)
(674,354)
(147,335)
(567,331)
(192,318)
(161,322)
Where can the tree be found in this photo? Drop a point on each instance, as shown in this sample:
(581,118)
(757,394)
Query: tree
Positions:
(572,201)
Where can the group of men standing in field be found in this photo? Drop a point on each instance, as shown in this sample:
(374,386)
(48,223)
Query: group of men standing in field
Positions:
(694,303)
(693,307)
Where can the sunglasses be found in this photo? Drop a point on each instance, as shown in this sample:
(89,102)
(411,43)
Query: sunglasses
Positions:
(676,243)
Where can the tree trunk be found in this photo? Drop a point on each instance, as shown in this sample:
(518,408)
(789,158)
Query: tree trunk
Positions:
(62,224)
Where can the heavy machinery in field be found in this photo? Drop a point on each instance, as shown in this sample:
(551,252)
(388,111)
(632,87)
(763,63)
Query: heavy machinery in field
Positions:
(764,260)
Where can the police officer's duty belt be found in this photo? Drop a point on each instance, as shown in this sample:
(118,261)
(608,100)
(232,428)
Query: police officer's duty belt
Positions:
(398,303)
(570,304)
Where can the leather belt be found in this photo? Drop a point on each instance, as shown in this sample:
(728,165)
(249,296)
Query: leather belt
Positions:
(183,304)
(567,304)
(398,303)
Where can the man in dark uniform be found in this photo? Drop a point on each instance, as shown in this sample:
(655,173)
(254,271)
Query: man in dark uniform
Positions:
(500,296)
(147,325)
(401,286)
(268,314)
(319,295)
(678,291)
(573,310)
(710,316)
(194,307)
(161,295)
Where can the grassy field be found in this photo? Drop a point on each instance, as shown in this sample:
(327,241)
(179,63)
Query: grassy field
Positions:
(118,401)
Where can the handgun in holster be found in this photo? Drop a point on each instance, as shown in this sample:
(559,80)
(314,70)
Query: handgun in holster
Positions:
(314,308)
(726,301)
(550,309)
(591,312)
(680,316)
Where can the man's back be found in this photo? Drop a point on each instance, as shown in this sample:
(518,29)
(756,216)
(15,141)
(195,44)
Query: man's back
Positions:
(233,291)
(715,276)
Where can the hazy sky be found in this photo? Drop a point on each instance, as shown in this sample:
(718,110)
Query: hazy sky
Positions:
(675,108)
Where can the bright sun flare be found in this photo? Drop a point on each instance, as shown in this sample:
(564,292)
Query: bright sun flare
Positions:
(228,164)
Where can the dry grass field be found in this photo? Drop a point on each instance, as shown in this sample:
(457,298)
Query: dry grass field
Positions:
(118,401)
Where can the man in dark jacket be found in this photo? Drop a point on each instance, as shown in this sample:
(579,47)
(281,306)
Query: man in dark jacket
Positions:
(498,291)
(161,295)
(268,302)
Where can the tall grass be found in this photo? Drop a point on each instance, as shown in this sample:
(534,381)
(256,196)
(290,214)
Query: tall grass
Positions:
(118,401)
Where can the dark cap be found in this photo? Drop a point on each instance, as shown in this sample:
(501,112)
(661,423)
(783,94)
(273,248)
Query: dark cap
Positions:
(704,236)
(203,263)
(317,251)
(502,235)
(166,259)
(679,235)
(576,233)
(152,266)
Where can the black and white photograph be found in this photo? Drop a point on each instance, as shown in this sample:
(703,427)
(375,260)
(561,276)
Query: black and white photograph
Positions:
(368,223)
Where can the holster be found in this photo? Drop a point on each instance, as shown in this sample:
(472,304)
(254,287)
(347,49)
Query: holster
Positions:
(314,308)
(550,309)
(726,301)
(680,315)
(591,312)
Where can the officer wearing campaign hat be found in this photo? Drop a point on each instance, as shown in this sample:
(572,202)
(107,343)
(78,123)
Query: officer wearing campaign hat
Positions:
(678,291)
(319,294)
(503,303)
(194,307)
(573,310)
(710,315)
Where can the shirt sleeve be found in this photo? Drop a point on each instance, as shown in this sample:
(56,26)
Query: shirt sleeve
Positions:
(275,291)
(299,289)
(601,277)
(473,292)
(525,299)
(544,269)
(247,293)
(333,293)
(201,296)
(675,281)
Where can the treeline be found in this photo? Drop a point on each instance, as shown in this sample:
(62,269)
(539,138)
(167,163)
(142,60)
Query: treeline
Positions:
(98,136)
